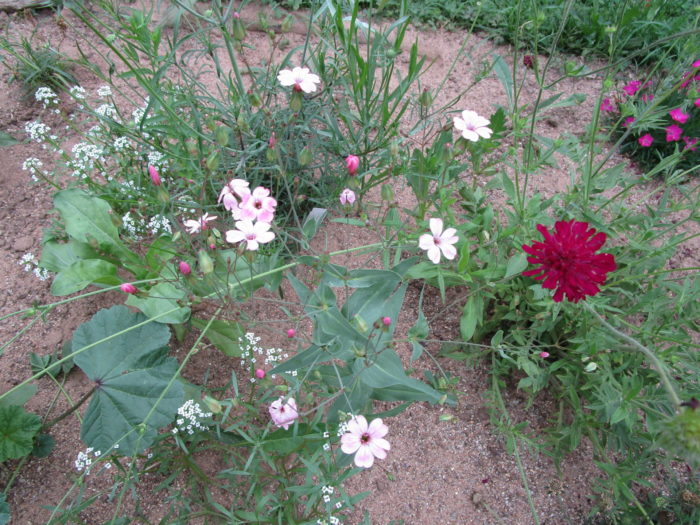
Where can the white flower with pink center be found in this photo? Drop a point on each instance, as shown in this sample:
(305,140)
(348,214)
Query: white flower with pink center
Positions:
(257,205)
(365,441)
(300,77)
(472,126)
(439,241)
(347,196)
(233,192)
(195,226)
(253,234)
(283,414)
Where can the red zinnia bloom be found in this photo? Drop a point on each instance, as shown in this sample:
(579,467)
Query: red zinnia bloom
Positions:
(568,261)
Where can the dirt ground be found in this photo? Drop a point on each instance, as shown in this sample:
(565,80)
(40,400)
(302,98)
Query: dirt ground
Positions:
(437,472)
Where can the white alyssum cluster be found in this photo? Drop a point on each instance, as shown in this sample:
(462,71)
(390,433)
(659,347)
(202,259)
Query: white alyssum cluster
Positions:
(33,166)
(104,91)
(37,131)
(46,96)
(85,459)
(85,155)
(107,111)
(121,143)
(77,92)
(131,226)
(159,225)
(157,159)
(30,263)
(251,352)
(190,415)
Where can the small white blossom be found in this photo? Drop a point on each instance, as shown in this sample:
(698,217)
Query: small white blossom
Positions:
(37,131)
(107,111)
(104,91)
(77,92)
(46,96)
(121,143)
(326,446)
(160,225)
(157,159)
(191,414)
(33,166)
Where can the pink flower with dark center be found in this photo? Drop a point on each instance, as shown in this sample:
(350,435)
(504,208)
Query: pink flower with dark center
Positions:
(195,226)
(253,234)
(352,163)
(184,268)
(300,78)
(627,122)
(155,178)
(568,262)
(673,133)
(645,140)
(632,87)
(365,441)
(607,106)
(233,192)
(678,115)
(347,196)
(439,241)
(690,143)
(257,205)
(472,126)
(283,414)
(128,288)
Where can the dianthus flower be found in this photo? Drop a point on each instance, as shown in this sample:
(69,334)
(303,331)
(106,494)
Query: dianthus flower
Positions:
(645,140)
(678,115)
(472,126)
(632,87)
(232,192)
(300,77)
(568,261)
(690,143)
(607,105)
(673,133)
(347,197)
(365,441)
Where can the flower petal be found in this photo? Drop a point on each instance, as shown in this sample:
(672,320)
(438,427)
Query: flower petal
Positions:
(377,428)
(436,226)
(364,457)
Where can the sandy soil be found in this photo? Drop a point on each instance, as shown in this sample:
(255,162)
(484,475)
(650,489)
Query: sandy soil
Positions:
(455,472)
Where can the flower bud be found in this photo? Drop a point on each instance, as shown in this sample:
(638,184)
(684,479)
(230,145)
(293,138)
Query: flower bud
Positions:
(212,404)
(254,99)
(544,355)
(222,135)
(239,32)
(291,333)
(386,321)
(212,161)
(273,140)
(184,268)
(129,288)
(305,157)
(352,163)
(529,61)
(206,265)
(155,178)
(425,99)
(260,373)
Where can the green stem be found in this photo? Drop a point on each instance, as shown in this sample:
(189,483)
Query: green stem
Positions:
(68,412)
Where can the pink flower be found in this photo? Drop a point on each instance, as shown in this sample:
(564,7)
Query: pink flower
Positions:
(352,162)
(291,333)
(272,141)
(606,105)
(253,234)
(257,205)
(386,321)
(544,355)
(645,140)
(697,102)
(647,97)
(439,241)
(233,192)
(632,87)
(284,414)
(195,226)
(155,178)
(260,373)
(347,196)
(300,77)
(678,115)
(529,61)
(128,288)
(627,122)
(696,63)
(673,133)
(690,143)
(472,126)
(184,268)
(365,441)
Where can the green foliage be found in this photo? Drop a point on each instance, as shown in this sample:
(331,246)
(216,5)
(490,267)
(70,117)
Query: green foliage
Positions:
(17,431)
(5,515)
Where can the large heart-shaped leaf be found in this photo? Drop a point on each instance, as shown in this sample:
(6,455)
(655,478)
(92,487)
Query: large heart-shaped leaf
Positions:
(17,431)
(135,394)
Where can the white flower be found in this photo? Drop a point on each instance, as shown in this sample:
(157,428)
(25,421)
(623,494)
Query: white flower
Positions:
(439,241)
(107,111)
(104,91)
(253,234)
(195,226)
(472,126)
(347,196)
(46,96)
(299,77)
(37,131)
(77,92)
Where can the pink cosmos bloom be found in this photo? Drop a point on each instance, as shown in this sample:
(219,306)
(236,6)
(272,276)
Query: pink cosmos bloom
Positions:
(439,241)
(673,133)
(257,205)
(347,196)
(544,355)
(184,268)
(128,288)
(232,192)
(628,121)
(386,321)
(607,105)
(690,143)
(260,373)
(300,77)
(155,178)
(284,414)
(195,226)
(352,162)
(678,115)
(472,126)
(632,87)
(254,234)
(645,140)
(365,441)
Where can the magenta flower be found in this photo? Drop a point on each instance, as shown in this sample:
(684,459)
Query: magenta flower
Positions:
(439,241)
(386,321)
(645,140)
(129,288)
(347,196)
(678,115)
(544,355)
(690,143)
(529,61)
(283,414)
(273,140)
(673,133)
(697,102)
(300,78)
(627,122)
(184,268)
(155,178)
(291,333)
(647,97)
(260,373)
(696,63)
(195,226)
(632,87)
(352,163)
(257,205)
(365,441)
(253,234)
(472,126)
(607,105)
(567,260)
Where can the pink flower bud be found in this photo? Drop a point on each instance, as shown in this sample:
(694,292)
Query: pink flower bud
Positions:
(544,355)
(273,140)
(236,14)
(352,162)
(128,288)
(291,333)
(260,373)
(155,178)
(386,321)
(185,268)
(212,246)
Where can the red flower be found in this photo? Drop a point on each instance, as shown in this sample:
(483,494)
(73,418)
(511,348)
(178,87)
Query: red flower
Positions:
(568,261)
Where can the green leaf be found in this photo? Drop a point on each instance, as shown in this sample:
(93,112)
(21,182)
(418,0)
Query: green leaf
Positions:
(7,140)
(467,323)
(162,298)
(134,396)
(18,397)
(516,264)
(17,431)
(56,256)
(313,222)
(82,274)
(416,333)
(43,446)
(5,515)
(223,334)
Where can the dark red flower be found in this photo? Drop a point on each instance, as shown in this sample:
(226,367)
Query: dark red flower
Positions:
(568,261)
(529,61)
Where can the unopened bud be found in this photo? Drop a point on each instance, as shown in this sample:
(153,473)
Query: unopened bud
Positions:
(155,177)
(184,268)
(291,333)
(254,99)
(129,288)
(260,373)
(212,161)
(206,265)
(544,355)
(239,32)
(287,23)
(352,163)
(425,99)
(305,157)
(386,321)
(222,135)
(212,404)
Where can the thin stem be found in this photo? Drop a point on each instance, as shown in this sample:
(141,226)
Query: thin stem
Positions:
(68,412)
